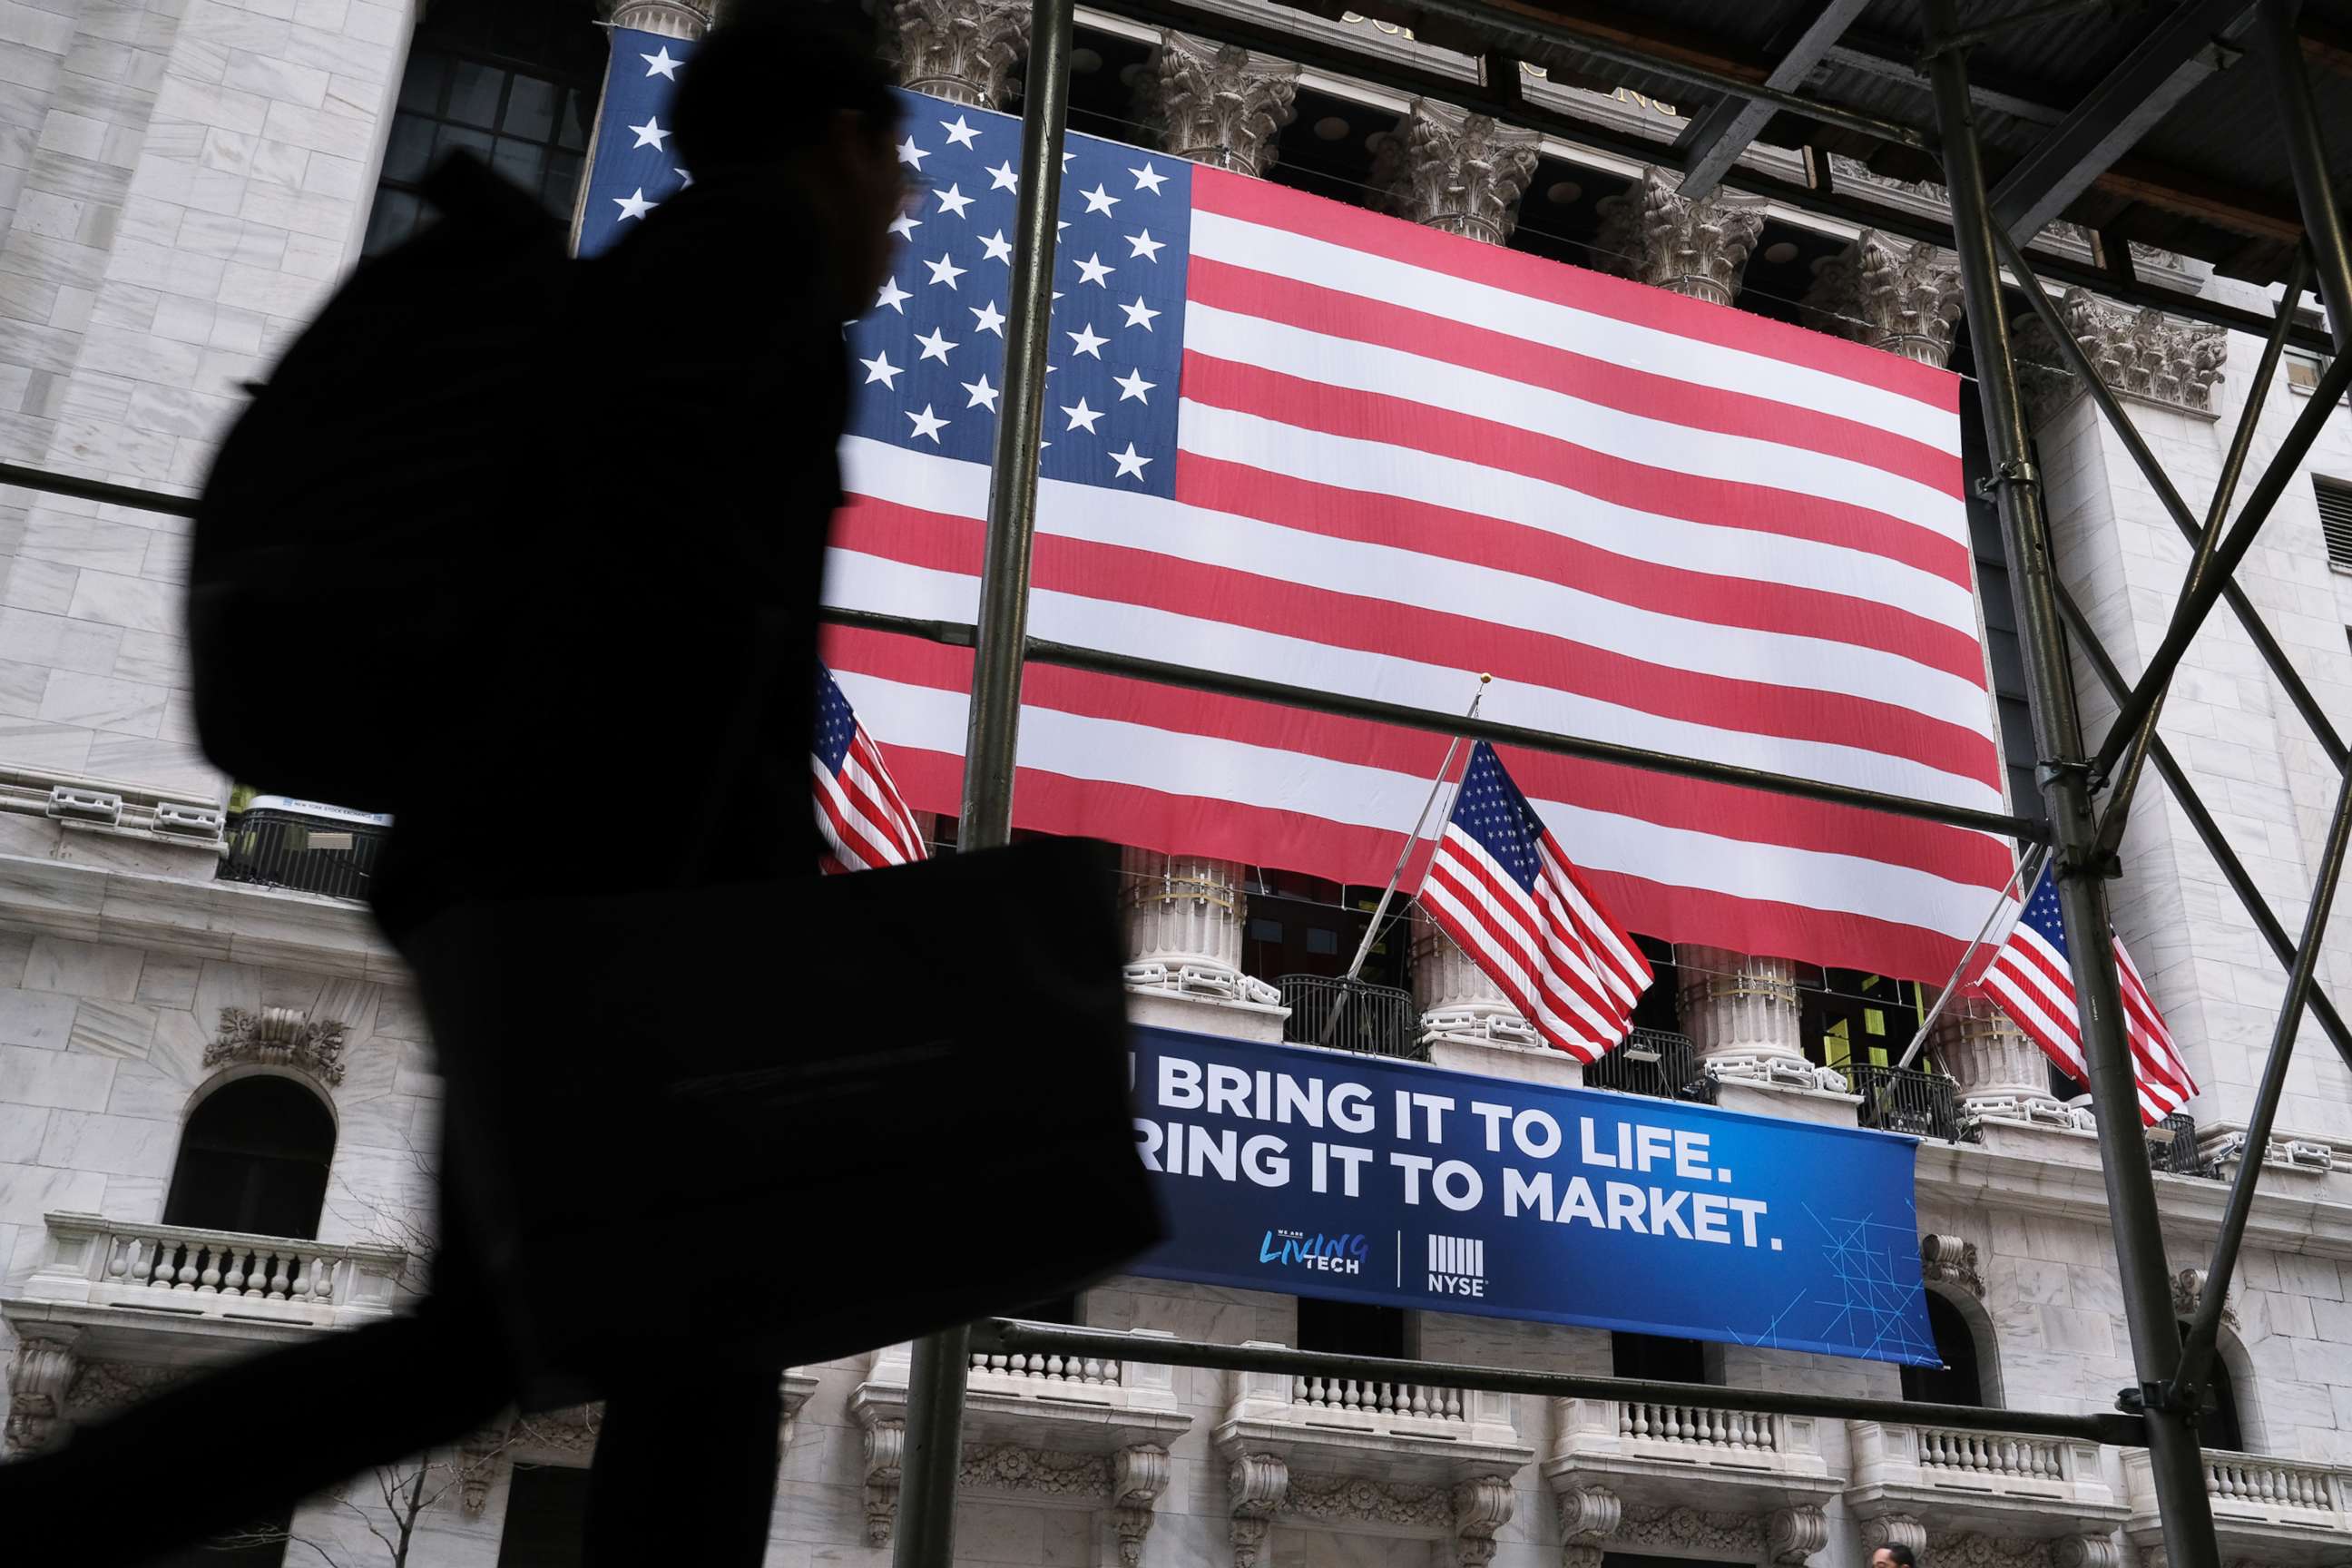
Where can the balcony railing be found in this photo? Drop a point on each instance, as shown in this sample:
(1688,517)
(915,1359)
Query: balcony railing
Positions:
(1725,1429)
(180,1271)
(1408,1399)
(2277,1511)
(1906,1099)
(2004,1484)
(1656,1062)
(1377,1020)
(1072,1371)
(326,850)
(2176,1154)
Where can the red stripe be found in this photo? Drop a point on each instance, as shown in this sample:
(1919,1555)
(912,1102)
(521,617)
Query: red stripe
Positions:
(855,849)
(1394,421)
(1470,876)
(1561,864)
(893,810)
(2067,1013)
(1117,574)
(1336,313)
(1513,938)
(1214,484)
(1261,202)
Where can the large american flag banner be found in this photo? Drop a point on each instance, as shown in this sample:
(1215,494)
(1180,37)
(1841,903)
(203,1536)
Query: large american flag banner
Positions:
(2032,981)
(632,166)
(861,816)
(1500,886)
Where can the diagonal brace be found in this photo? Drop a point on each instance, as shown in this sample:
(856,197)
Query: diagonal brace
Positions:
(1716,138)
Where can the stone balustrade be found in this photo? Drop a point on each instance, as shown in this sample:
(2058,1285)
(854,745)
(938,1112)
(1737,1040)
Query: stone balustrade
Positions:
(1331,1425)
(1622,1472)
(1720,1429)
(2285,1512)
(2001,1485)
(1418,1400)
(1084,1371)
(214,1274)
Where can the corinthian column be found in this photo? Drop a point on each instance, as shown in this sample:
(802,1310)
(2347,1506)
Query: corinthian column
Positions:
(1890,294)
(1741,1014)
(1185,918)
(1697,248)
(959,50)
(1999,1071)
(1455,171)
(1458,1003)
(1217,103)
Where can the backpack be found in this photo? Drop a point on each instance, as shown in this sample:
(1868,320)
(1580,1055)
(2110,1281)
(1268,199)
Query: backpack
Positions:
(348,539)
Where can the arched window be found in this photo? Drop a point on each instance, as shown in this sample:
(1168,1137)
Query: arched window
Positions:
(254,1158)
(1960,1380)
(2220,1427)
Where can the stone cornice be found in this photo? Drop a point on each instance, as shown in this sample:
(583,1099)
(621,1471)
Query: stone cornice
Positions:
(225,921)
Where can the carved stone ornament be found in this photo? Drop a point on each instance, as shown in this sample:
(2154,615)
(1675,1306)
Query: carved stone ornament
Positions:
(2188,1288)
(1044,1473)
(1894,1530)
(1987,1552)
(1138,1474)
(886,1449)
(1793,1534)
(38,1375)
(1949,1260)
(2086,1552)
(1481,1507)
(1890,294)
(1367,1502)
(103,1387)
(960,50)
(279,1038)
(1683,1530)
(1458,172)
(1654,236)
(663,18)
(1257,1484)
(2143,355)
(1217,103)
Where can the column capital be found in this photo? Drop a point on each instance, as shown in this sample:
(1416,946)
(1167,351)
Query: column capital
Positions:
(1894,1530)
(1890,294)
(1218,104)
(1793,1534)
(1257,1485)
(1138,1474)
(1452,169)
(1743,1014)
(959,50)
(664,18)
(1654,236)
(2144,355)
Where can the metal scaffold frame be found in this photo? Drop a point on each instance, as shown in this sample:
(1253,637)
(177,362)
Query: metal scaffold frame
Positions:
(1989,231)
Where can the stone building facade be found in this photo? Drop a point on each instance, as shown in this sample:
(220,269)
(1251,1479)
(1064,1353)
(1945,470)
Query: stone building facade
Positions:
(183,182)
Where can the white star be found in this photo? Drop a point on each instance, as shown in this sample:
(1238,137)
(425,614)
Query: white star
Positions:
(891,295)
(1099,200)
(905,225)
(661,64)
(960,135)
(1148,179)
(1060,224)
(1093,270)
(879,368)
(1130,464)
(1082,415)
(999,248)
(987,318)
(1065,158)
(945,270)
(649,134)
(926,424)
(954,200)
(910,153)
(1138,315)
(1132,384)
(634,205)
(935,346)
(1145,245)
(1084,341)
(685,180)
(983,394)
(1003,178)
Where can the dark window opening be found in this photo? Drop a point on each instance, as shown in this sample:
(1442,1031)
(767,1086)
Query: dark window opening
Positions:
(2219,1426)
(1960,1380)
(1559,216)
(547,1518)
(1854,1019)
(1656,1358)
(1779,272)
(1305,925)
(1061,1308)
(1351,1328)
(254,1160)
(1661,1006)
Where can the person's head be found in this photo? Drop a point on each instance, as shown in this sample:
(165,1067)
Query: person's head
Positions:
(782,91)
(1893,1554)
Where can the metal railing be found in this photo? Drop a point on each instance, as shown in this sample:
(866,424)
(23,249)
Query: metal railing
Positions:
(1909,1099)
(1659,1063)
(2177,1156)
(1377,1020)
(282,849)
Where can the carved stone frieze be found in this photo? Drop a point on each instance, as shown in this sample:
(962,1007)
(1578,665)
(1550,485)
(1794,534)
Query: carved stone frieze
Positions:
(1684,1531)
(2144,355)
(103,1387)
(1481,1507)
(1793,1534)
(960,50)
(1257,1484)
(1217,103)
(886,1451)
(1138,1474)
(1972,1551)
(279,1038)
(1370,1501)
(1950,1260)
(1455,171)
(1890,294)
(1654,236)
(1045,1472)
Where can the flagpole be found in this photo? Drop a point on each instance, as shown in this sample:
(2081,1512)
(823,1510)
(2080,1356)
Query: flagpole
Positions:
(1404,857)
(2040,853)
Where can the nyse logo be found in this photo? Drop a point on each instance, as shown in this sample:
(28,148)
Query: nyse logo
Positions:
(1457,1265)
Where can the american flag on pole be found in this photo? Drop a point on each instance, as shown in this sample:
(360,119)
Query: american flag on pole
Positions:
(1502,888)
(859,813)
(2032,980)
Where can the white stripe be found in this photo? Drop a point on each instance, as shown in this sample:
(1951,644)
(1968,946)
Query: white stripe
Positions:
(1595,426)
(2024,1007)
(859,581)
(1218,237)
(1623,964)
(1455,905)
(1212,768)
(872,847)
(877,808)
(1460,863)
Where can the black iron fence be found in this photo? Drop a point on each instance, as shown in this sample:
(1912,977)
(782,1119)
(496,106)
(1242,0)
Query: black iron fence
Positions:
(1908,1100)
(1355,1015)
(274,848)
(1656,1062)
(2172,1147)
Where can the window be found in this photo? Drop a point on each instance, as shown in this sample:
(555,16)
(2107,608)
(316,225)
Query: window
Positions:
(254,1158)
(1853,1019)
(547,1517)
(1351,1328)
(1655,1358)
(2335,519)
(1304,925)
(1959,1381)
(2304,369)
(2220,1427)
(513,81)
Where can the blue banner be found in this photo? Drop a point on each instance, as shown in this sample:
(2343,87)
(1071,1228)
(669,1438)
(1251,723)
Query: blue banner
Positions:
(1318,1174)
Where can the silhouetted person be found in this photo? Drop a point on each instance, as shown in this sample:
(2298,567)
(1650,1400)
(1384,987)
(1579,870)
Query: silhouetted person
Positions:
(706,1115)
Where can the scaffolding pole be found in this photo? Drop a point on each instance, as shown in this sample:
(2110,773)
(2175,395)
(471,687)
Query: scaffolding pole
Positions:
(2176,1467)
(933,1454)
